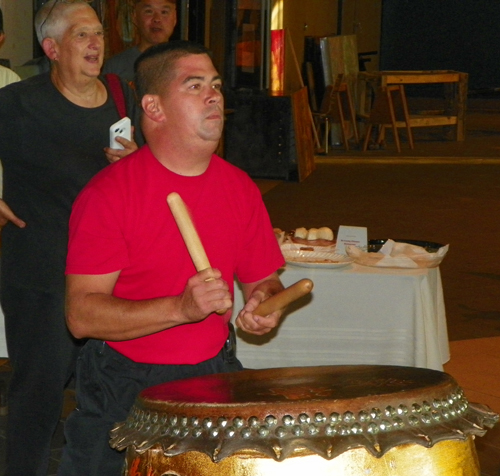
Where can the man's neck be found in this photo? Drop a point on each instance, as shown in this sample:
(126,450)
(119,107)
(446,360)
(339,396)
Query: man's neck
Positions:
(189,162)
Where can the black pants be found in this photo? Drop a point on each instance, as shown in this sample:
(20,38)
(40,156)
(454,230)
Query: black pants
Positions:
(107,386)
(42,354)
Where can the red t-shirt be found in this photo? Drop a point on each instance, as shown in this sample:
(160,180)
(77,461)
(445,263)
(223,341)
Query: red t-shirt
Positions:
(121,221)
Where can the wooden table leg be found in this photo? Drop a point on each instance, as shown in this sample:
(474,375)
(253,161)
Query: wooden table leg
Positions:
(461,105)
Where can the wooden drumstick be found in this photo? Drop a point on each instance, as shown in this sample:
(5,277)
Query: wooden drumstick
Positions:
(188,231)
(189,234)
(285,297)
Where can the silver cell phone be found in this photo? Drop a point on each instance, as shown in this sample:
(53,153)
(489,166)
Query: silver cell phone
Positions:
(122,128)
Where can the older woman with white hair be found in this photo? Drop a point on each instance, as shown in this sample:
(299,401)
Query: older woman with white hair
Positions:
(54,139)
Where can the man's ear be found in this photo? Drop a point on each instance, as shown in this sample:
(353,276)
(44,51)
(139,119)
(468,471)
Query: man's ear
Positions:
(50,48)
(2,38)
(152,108)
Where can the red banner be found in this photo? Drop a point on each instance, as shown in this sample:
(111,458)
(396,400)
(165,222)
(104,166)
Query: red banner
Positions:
(277,61)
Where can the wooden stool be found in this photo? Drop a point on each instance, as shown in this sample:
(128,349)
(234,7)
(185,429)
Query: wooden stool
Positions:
(390,109)
(337,101)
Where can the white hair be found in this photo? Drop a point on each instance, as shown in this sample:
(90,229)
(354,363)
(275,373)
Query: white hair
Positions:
(50,20)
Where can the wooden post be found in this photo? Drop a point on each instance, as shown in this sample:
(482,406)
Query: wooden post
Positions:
(297,66)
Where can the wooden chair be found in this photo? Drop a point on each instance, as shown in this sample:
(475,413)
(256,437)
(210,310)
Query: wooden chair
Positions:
(390,109)
(337,107)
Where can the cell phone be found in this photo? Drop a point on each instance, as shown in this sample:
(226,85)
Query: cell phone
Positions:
(122,128)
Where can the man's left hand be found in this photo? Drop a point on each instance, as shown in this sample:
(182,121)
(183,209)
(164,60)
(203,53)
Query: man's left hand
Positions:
(253,323)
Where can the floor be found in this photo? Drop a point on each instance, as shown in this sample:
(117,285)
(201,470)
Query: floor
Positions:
(475,362)
(58,439)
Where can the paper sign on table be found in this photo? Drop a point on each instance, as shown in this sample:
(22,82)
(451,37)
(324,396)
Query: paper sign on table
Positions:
(351,235)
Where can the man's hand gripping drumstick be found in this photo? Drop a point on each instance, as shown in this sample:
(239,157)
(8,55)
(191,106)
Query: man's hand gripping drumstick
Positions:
(260,315)
(194,245)
(285,297)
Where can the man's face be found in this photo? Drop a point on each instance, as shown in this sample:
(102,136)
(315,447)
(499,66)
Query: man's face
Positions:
(155,21)
(80,50)
(194,101)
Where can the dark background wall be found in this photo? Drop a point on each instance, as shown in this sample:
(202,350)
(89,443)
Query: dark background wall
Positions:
(462,35)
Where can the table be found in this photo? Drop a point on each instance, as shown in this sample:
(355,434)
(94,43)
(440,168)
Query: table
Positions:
(356,315)
(455,95)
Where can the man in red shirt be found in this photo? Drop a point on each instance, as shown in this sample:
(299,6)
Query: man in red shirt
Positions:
(132,287)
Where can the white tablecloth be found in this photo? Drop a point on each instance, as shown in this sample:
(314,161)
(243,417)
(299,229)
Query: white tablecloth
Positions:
(356,315)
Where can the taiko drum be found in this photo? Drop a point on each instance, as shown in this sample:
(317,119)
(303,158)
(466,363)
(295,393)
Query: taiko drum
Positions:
(329,420)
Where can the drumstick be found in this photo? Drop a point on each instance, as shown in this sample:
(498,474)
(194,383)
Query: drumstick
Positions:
(188,231)
(285,297)
(189,234)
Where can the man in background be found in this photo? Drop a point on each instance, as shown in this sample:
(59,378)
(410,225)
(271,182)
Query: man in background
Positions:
(155,21)
(7,76)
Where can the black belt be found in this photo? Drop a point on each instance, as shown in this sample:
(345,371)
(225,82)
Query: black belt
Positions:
(229,349)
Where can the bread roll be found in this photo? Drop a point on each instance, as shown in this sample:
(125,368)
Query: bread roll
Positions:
(325,233)
(312,234)
(300,233)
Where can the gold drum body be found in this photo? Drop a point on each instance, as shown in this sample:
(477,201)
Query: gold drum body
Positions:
(448,458)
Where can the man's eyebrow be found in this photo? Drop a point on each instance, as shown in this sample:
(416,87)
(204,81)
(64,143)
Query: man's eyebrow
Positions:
(217,77)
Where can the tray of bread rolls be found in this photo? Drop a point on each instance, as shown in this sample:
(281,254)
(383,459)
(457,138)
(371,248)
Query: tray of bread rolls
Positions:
(313,247)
